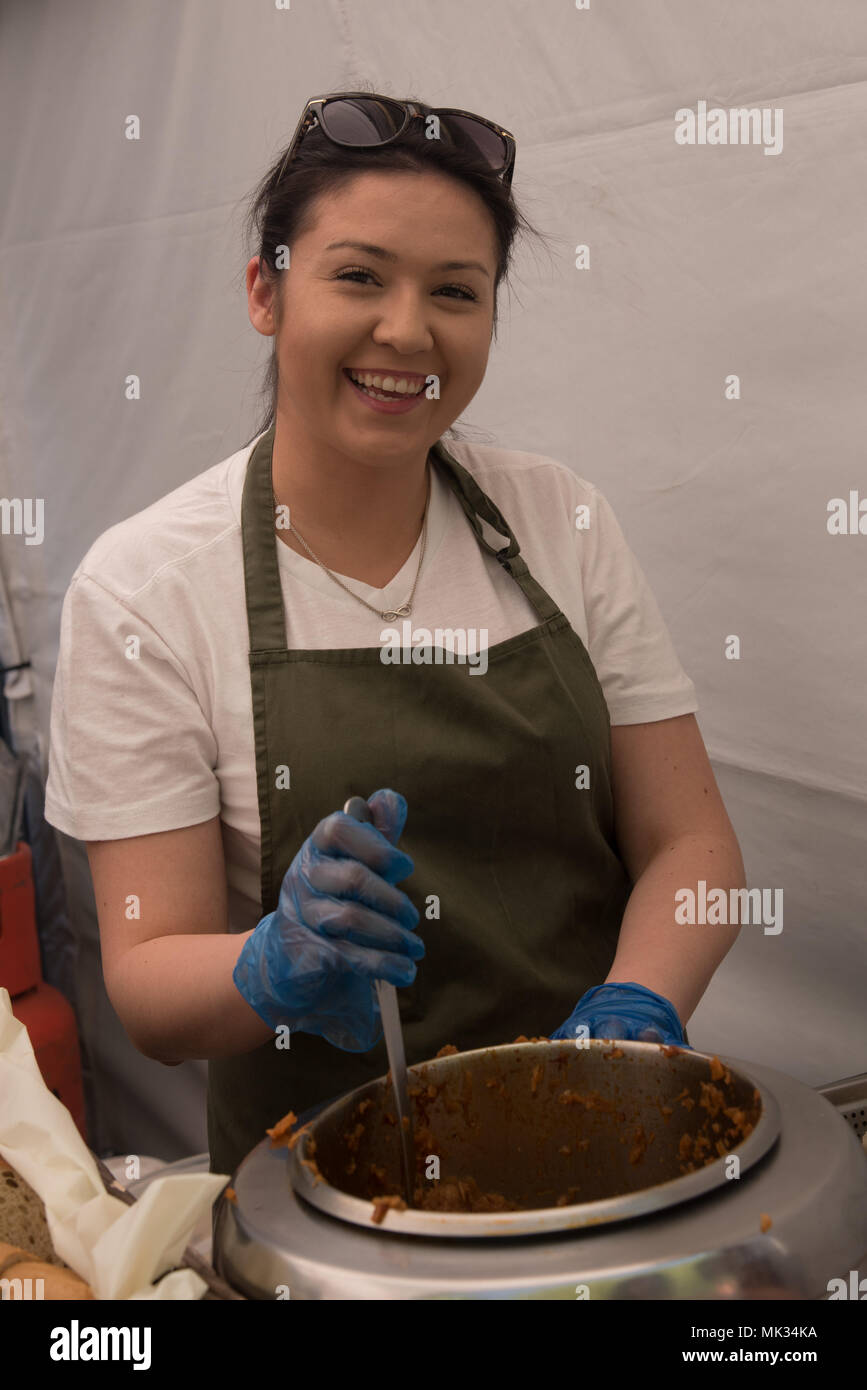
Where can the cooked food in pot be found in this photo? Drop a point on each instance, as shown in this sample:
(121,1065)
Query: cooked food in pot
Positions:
(513,1131)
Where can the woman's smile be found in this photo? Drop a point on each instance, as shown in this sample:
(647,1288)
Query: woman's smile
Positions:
(392,403)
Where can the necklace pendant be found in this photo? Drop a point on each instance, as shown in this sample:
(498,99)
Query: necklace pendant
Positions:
(402,612)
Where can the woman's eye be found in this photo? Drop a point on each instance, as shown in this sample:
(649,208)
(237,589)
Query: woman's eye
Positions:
(463,290)
(348,274)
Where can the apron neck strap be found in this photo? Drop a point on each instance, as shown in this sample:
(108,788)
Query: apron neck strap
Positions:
(477,504)
(265,616)
(266,620)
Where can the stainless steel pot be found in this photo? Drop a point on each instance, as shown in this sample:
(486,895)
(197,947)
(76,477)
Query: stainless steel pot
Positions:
(571,1137)
(652,1217)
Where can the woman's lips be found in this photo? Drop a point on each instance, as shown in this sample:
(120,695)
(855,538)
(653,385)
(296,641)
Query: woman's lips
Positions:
(399,406)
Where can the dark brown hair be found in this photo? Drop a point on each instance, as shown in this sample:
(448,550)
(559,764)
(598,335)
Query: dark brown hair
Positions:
(281,209)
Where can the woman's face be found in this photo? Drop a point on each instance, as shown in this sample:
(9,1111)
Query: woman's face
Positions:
(387,311)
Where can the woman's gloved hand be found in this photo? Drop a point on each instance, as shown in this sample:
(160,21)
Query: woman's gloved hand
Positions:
(340,924)
(627,1011)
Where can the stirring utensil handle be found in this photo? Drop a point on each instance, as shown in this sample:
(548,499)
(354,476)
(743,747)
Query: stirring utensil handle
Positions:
(386,994)
(391,1027)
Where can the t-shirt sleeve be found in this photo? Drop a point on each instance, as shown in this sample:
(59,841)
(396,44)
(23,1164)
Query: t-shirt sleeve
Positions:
(629,643)
(131,751)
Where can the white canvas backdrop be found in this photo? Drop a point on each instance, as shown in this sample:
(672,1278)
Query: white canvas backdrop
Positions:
(119,256)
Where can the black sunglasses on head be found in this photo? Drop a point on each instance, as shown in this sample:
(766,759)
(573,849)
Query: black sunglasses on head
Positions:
(359,119)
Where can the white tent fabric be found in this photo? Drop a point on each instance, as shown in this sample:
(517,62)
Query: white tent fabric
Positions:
(125,256)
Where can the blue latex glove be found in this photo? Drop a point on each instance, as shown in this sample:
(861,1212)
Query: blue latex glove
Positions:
(627,1011)
(340,924)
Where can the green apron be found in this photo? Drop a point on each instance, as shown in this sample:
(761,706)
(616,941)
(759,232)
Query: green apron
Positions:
(520,864)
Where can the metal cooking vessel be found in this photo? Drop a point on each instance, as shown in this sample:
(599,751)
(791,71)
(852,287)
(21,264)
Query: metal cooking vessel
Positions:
(637,1227)
(537,1123)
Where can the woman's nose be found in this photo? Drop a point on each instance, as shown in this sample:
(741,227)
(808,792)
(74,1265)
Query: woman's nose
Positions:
(404,323)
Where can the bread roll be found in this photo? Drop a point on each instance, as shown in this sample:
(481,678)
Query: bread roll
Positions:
(22,1217)
(57,1283)
(26,1251)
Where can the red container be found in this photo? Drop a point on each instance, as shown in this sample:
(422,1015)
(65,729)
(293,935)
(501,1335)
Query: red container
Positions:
(45,1013)
(20,966)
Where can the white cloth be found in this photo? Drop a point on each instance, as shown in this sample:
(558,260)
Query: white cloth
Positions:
(166,740)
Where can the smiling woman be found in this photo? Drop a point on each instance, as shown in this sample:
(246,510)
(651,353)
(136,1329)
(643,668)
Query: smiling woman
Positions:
(244,916)
(376,264)
(354,474)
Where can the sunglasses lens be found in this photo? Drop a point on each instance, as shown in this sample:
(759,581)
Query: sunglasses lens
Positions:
(361,120)
(371,120)
(476,138)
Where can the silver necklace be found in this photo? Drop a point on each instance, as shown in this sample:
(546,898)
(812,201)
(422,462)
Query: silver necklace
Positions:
(390,614)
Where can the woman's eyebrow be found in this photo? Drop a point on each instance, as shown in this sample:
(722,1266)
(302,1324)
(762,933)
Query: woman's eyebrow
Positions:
(368,250)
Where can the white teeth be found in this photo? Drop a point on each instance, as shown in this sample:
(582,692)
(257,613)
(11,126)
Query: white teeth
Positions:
(402,385)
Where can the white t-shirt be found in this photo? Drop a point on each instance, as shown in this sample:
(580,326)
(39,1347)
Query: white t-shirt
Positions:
(166,740)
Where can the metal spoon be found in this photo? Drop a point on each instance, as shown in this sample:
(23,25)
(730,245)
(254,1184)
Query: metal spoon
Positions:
(386,994)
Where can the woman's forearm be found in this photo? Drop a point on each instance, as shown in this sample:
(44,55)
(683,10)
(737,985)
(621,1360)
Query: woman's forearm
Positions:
(176,998)
(675,959)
